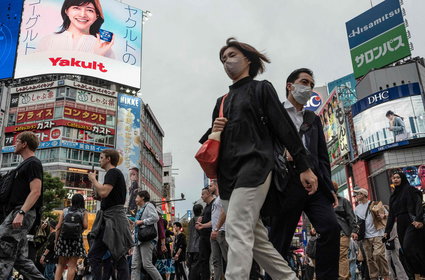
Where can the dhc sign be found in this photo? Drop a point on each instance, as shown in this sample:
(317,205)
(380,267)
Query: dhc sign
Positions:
(384,96)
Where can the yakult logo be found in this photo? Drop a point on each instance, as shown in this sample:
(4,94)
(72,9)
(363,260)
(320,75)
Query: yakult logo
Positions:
(59,61)
(380,96)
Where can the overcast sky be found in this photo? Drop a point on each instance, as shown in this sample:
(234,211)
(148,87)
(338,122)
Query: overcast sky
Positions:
(182,76)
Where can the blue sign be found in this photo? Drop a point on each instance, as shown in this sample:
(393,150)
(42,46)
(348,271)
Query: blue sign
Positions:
(61,143)
(345,89)
(385,96)
(314,102)
(304,235)
(374,22)
(10,20)
(389,146)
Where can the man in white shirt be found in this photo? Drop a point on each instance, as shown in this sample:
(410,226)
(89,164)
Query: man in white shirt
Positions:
(219,245)
(372,242)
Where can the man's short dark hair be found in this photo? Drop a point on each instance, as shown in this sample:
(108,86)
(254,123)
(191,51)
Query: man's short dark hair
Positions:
(178,224)
(295,75)
(197,209)
(206,189)
(256,58)
(135,169)
(113,155)
(145,195)
(30,138)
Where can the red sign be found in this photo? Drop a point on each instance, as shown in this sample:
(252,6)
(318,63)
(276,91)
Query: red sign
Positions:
(49,124)
(84,115)
(35,115)
(43,135)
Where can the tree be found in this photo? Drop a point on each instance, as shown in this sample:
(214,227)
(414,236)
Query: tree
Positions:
(53,195)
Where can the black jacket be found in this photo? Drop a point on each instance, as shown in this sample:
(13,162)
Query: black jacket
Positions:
(318,153)
(246,150)
(405,200)
(345,216)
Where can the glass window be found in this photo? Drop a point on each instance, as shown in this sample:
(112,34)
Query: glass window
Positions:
(11,120)
(110,120)
(58,112)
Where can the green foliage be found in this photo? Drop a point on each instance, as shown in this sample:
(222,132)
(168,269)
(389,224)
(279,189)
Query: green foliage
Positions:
(53,195)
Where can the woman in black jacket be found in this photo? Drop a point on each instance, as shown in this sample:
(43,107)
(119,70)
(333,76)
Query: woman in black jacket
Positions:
(253,118)
(406,208)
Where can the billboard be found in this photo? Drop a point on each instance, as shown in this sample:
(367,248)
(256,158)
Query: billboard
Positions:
(377,37)
(314,103)
(333,122)
(389,118)
(345,88)
(128,141)
(10,19)
(101,39)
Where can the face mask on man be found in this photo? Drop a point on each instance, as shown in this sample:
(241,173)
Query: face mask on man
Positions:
(234,66)
(301,93)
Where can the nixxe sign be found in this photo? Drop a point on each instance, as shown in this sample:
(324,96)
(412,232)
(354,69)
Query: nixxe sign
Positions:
(384,96)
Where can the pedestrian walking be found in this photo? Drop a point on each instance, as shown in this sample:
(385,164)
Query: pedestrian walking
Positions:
(372,243)
(111,230)
(142,254)
(406,208)
(347,224)
(219,246)
(48,258)
(179,251)
(317,205)
(392,254)
(203,225)
(24,202)
(193,245)
(246,159)
(69,239)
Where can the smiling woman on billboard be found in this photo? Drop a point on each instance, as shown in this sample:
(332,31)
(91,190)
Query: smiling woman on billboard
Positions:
(80,30)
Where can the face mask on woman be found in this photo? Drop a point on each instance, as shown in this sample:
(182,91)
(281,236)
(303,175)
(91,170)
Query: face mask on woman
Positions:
(234,66)
(301,93)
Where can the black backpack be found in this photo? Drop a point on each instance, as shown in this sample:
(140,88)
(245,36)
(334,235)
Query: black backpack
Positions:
(6,182)
(72,226)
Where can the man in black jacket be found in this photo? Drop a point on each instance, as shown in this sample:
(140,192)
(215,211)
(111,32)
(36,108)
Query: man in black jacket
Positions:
(347,222)
(317,206)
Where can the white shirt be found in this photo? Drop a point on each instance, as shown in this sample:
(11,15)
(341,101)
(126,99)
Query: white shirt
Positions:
(217,207)
(370,231)
(297,117)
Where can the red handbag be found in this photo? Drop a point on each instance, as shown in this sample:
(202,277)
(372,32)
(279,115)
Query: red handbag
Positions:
(207,155)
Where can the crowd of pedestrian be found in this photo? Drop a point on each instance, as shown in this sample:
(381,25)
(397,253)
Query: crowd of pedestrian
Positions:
(233,235)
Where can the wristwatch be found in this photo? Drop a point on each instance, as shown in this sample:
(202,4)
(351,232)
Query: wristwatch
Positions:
(22,212)
(215,229)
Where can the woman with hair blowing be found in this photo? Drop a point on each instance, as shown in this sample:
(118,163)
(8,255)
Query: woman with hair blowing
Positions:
(82,20)
(406,209)
(397,126)
(246,159)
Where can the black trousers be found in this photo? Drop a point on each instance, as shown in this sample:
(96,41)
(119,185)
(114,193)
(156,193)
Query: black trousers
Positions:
(320,212)
(180,273)
(97,250)
(204,256)
(193,263)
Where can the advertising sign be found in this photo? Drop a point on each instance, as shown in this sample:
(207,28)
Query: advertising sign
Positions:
(10,19)
(314,103)
(97,100)
(37,97)
(35,115)
(333,121)
(101,39)
(43,136)
(128,134)
(374,22)
(84,115)
(380,51)
(346,89)
(389,118)
(61,143)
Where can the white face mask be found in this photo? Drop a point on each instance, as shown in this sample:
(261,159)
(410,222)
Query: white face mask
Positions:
(234,66)
(301,93)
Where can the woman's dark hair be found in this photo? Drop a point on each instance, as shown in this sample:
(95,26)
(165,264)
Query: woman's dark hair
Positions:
(295,75)
(94,28)
(197,209)
(77,201)
(256,58)
(145,195)
(391,113)
(403,177)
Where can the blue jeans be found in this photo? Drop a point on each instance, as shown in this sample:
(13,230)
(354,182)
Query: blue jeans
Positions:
(49,271)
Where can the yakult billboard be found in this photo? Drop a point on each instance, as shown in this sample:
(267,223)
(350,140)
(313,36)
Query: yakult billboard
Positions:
(99,38)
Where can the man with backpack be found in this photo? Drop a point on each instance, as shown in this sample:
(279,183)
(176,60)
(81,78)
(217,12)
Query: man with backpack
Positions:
(23,202)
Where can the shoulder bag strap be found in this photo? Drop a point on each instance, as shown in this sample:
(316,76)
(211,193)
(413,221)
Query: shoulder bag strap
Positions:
(220,112)
(367,210)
